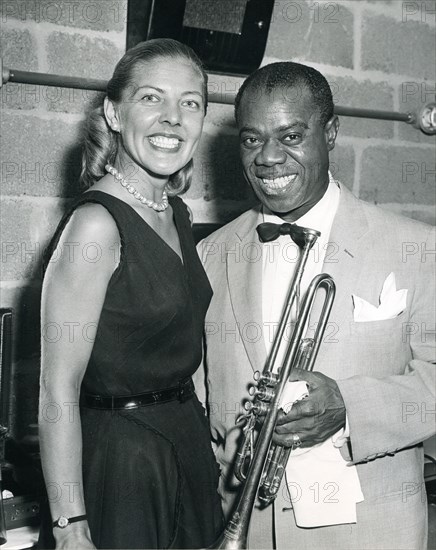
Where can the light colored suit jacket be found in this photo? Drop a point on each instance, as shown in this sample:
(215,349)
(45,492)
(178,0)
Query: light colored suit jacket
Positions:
(385,369)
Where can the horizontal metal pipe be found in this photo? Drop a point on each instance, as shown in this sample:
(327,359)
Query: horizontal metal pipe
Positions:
(44,79)
(372,113)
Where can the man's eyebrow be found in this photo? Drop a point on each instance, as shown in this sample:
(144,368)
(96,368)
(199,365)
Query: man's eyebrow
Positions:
(248,129)
(283,128)
(296,124)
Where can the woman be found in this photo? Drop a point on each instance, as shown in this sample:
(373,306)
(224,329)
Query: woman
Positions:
(132,467)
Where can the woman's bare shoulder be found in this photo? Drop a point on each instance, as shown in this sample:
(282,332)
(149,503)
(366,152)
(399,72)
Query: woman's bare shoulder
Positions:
(88,246)
(92,222)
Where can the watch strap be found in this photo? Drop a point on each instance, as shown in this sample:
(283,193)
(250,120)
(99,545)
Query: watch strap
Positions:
(70,520)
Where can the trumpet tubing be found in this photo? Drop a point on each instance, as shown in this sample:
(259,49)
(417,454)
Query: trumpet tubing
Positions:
(261,466)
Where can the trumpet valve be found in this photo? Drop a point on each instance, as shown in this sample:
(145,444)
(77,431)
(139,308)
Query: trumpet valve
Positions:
(261,392)
(258,408)
(269,378)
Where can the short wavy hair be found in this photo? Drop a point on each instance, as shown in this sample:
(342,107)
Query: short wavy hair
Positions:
(290,75)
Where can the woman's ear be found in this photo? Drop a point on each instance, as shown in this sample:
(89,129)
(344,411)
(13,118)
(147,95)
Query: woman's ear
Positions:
(111,115)
(331,131)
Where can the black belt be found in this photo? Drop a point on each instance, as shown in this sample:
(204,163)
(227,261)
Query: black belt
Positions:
(182,392)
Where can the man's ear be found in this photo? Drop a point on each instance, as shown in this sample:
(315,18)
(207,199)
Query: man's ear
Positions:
(331,130)
(111,115)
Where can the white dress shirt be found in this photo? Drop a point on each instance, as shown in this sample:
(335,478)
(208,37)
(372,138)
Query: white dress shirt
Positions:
(280,257)
(322,465)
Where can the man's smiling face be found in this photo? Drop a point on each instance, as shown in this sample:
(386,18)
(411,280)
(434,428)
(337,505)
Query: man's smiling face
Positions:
(285,149)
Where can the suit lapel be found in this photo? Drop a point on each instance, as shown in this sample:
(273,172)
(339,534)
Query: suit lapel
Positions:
(343,261)
(244,279)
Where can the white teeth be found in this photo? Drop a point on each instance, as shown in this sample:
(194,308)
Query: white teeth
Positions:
(279,183)
(165,142)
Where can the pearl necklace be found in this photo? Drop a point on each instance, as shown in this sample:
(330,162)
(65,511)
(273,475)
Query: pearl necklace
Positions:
(158,206)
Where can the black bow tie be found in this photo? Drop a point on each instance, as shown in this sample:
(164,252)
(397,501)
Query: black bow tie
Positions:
(271,231)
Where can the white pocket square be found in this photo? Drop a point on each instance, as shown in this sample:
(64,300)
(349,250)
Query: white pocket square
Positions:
(392,303)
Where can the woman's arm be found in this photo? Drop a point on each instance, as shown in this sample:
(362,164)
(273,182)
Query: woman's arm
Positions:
(73,293)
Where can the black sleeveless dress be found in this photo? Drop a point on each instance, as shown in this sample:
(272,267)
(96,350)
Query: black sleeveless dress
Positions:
(150,477)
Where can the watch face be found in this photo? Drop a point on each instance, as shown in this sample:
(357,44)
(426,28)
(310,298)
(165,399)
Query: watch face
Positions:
(63,522)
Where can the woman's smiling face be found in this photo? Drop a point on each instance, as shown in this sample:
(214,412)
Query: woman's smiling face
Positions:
(161,116)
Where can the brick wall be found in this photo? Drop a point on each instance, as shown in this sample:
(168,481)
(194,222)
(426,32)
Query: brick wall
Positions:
(375,54)
(40,151)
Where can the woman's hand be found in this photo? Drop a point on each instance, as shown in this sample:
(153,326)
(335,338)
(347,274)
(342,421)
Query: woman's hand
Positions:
(73,537)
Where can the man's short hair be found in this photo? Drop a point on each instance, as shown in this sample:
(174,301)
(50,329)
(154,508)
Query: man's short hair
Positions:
(289,75)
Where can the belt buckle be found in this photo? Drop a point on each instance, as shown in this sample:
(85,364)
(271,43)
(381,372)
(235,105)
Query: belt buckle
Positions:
(182,392)
(157,396)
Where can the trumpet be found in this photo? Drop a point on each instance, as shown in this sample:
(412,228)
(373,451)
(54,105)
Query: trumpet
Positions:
(261,466)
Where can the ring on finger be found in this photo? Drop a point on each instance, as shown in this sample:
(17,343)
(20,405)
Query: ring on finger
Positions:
(296,441)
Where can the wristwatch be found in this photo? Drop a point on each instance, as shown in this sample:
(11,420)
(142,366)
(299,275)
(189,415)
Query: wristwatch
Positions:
(63,522)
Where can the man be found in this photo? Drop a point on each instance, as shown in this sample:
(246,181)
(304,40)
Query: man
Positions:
(374,375)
